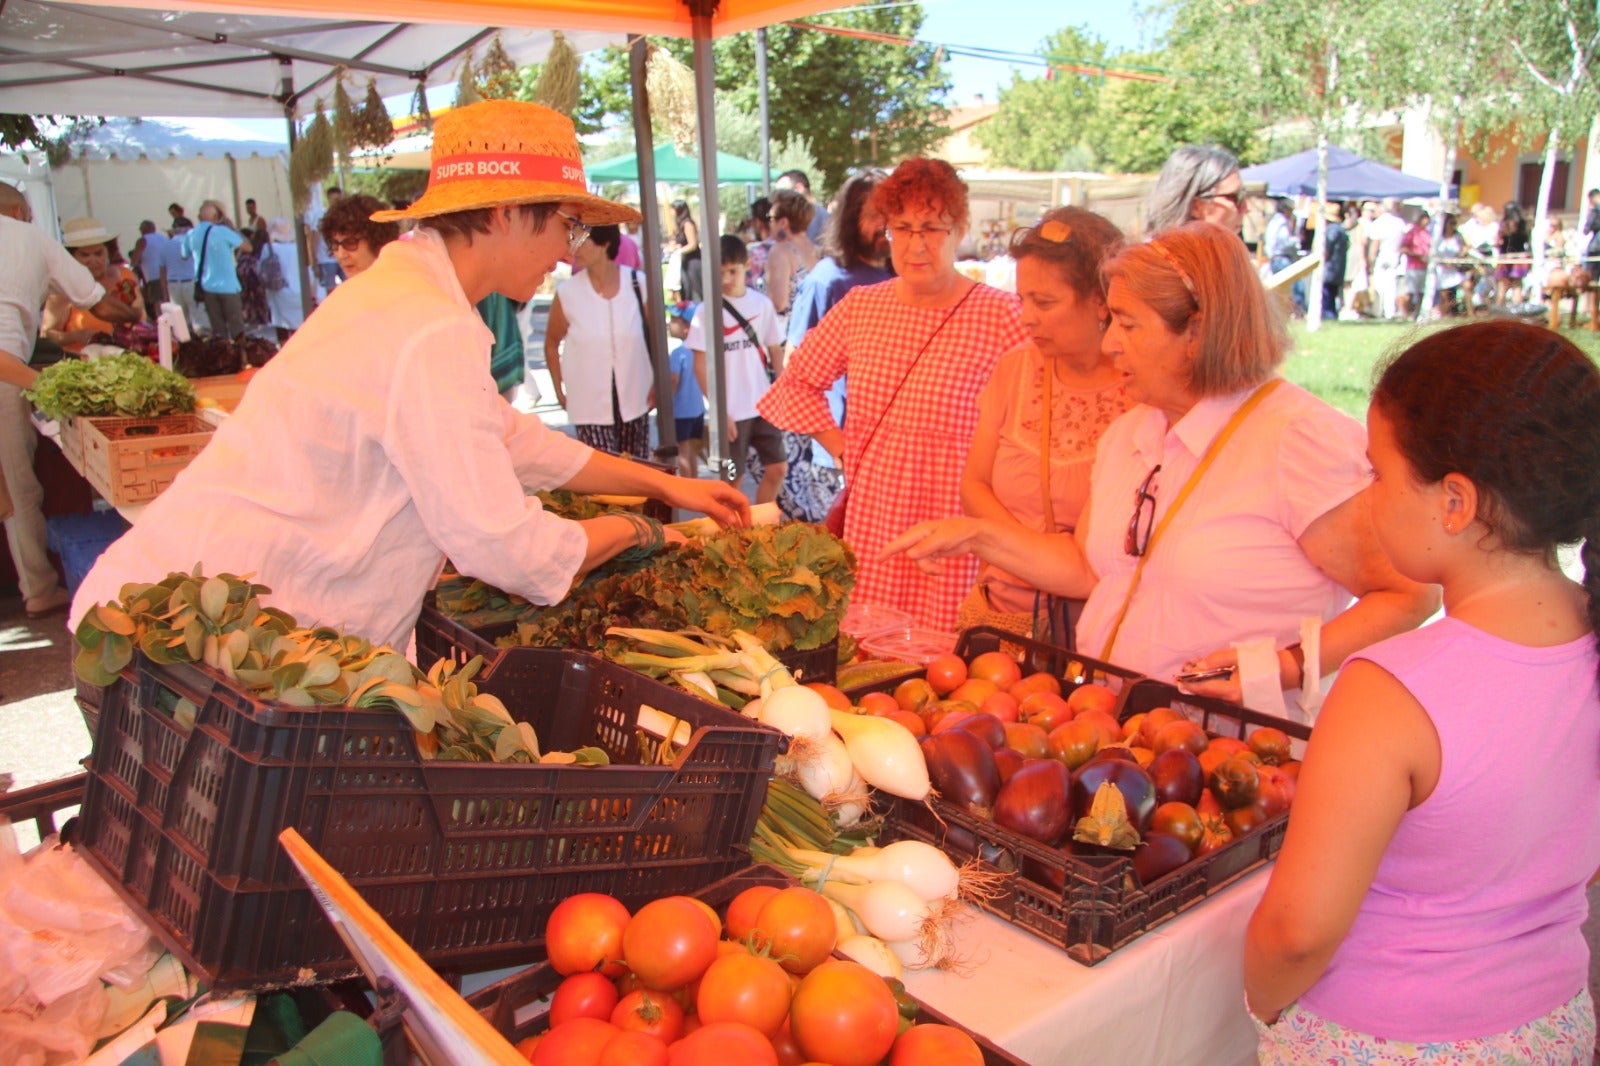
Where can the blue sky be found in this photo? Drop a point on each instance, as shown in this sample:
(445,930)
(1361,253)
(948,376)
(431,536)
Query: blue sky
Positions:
(1022,27)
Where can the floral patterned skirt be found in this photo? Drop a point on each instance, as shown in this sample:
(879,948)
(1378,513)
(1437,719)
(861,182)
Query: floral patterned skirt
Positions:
(1564,1037)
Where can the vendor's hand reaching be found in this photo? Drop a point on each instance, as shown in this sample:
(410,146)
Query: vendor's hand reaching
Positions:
(726,505)
(927,542)
(1227,688)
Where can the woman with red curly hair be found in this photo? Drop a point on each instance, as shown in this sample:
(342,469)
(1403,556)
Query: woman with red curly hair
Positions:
(915,352)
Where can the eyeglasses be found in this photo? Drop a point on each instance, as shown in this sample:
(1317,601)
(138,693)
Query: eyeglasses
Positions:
(932,236)
(577,232)
(1144,516)
(348,244)
(1237,198)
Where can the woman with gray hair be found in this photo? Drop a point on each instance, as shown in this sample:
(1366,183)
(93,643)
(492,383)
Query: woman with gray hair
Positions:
(1197,182)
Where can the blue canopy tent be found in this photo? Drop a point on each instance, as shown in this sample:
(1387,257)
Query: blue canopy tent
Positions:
(1350,177)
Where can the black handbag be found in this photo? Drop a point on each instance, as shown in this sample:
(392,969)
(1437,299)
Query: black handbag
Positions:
(200,271)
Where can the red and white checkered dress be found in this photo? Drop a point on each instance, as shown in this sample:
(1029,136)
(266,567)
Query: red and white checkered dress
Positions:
(911,471)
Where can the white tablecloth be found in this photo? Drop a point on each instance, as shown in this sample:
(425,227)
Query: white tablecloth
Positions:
(1172,997)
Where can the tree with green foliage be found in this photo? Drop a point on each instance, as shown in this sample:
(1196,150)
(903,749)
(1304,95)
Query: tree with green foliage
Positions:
(1042,121)
(1139,123)
(1321,60)
(855,102)
(1558,44)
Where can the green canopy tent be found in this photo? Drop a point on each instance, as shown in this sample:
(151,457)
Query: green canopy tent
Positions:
(672,167)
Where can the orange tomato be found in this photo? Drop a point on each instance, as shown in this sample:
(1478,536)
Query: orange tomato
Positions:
(996,666)
(1036,682)
(1093,697)
(744,908)
(914,693)
(585,933)
(745,988)
(844,1014)
(878,703)
(579,1041)
(832,696)
(935,1045)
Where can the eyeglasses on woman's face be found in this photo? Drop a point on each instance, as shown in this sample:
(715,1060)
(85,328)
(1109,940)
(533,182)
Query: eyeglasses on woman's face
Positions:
(1235,199)
(345,244)
(1144,516)
(904,233)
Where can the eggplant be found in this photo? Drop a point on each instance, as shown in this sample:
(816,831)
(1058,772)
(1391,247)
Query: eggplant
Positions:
(1008,761)
(1158,855)
(962,769)
(1138,791)
(1036,802)
(986,726)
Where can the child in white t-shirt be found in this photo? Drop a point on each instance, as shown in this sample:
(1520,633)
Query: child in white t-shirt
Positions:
(750,331)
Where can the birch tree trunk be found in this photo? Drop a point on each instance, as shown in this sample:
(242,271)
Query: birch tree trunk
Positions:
(1430,284)
(1319,240)
(1541,210)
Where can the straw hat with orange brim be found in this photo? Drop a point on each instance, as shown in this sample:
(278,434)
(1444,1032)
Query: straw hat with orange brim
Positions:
(507,152)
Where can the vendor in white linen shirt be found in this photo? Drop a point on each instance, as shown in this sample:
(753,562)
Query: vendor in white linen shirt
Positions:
(376,442)
(1273,529)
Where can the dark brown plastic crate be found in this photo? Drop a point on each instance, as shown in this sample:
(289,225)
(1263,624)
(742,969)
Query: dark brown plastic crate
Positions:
(441,637)
(43,804)
(1070,667)
(500,1003)
(1100,905)
(465,860)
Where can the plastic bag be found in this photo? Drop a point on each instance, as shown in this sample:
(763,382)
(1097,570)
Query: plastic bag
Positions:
(61,925)
(31,1032)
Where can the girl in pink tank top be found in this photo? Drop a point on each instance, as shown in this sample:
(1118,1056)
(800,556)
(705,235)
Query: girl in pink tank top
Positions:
(1427,903)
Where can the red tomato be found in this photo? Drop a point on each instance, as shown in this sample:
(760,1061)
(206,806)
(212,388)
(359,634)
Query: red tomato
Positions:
(577,1043)
(583,995)
(799,926)
(529,1044)
(668,943)
(744,908)
(633,1049)
(832,696)
(935,1045)
(745,988)
(585,933)
(844,1014)
(945,672)
(655,1013)
(723,1044)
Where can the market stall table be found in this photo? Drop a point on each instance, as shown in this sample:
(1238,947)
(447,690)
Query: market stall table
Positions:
(1174,996)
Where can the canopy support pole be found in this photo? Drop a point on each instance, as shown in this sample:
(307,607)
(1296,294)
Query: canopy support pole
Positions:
(705,88)
(766,126)
(302,257)
(650,240)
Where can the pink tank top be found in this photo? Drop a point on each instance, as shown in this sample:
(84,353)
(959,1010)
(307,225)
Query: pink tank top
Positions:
(1471,926)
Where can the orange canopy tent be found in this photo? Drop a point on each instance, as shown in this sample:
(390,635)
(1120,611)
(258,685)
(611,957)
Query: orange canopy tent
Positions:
(701,20)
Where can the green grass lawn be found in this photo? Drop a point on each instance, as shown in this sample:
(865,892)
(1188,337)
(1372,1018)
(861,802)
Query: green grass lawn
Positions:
(1336,362)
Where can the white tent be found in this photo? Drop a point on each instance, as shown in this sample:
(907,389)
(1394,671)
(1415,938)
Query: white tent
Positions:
(91,60)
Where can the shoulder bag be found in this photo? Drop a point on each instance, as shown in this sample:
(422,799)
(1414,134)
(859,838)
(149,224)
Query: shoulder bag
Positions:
(834,522)
(200,270)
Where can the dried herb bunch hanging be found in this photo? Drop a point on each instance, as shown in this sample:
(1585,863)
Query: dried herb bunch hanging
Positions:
(376,128)
(467,83)
(497,74)
(671,88)
(346,121)
(419,106)
(558,78)
(312,158)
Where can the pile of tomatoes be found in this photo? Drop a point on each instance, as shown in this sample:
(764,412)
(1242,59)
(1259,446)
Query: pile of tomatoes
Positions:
(676,985)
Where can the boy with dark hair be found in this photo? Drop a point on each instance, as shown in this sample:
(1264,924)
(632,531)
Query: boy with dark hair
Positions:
(750,331)
(688,402)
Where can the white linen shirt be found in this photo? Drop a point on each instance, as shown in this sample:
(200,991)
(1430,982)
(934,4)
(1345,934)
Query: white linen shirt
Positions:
(604,345)
(372,444)
(31,267)
(1229,567)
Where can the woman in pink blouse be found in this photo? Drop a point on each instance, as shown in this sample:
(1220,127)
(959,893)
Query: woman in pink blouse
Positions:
(1042,413)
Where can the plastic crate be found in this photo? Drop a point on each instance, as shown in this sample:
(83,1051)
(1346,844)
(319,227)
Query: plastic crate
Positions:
(465,860)
(1070,667)
(43,805)
(1100,905)
(132,460)
(441,637)
(503,1002)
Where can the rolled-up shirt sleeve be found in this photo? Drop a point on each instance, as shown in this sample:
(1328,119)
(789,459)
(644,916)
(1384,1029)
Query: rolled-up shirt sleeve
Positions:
(798,400)
(446,434)
(542,457)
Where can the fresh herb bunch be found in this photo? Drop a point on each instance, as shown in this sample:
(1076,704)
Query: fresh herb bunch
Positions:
(126,386)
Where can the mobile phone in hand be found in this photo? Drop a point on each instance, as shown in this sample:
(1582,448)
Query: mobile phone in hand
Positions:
(1217,674)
